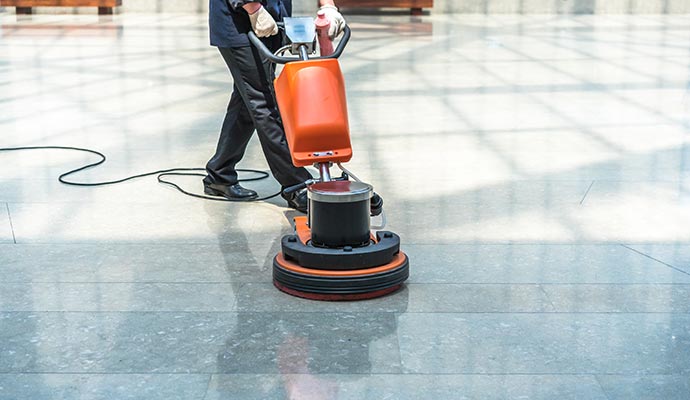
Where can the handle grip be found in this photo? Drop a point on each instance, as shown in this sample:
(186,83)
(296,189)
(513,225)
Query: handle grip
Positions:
(284,60)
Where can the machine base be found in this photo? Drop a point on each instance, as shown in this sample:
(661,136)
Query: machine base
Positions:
(303,270)
(339,285)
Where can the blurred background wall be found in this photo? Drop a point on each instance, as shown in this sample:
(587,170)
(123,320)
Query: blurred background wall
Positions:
(562,6)
(440,6)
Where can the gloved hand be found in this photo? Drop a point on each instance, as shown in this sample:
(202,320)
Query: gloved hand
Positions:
(337,20)
(262,23)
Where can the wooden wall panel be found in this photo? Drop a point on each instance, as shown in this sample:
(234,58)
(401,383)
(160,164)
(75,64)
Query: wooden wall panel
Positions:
(60,3)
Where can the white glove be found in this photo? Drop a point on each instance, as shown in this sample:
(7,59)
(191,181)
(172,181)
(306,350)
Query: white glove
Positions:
(337,20)
(262,23)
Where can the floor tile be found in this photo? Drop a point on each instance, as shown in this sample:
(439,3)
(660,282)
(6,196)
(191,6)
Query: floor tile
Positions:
(637,141)
(648,387)
(424,298)
(535,263)
(101,387)
(312,343)
(146,191)
(646,298)
(515,212)
(264,297)
(197,222)
(173,297)
(172,342)
(224,262)
(404,387)
(636,212)
(597,108)
(36,180)
(644,344)
(6,232)
(674,255)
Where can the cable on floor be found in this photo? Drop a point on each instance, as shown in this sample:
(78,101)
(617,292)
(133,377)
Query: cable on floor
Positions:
(160,173)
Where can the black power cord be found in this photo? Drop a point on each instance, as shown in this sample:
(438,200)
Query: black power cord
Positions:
(160,174)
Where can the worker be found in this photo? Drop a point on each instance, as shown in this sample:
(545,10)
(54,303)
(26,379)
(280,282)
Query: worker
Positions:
(252,104)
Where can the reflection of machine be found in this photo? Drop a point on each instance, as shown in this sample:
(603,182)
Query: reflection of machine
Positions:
(333,254)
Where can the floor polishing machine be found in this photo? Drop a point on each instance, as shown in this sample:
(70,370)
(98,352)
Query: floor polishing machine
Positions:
(333,254)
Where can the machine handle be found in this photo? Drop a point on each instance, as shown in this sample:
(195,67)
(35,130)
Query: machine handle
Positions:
(284,60)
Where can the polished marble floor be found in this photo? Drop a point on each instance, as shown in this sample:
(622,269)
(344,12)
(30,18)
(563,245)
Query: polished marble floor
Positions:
(537,169)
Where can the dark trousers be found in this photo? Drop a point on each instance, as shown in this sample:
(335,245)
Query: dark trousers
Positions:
(252,106)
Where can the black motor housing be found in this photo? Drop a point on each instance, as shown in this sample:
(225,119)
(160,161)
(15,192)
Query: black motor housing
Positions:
(339,214)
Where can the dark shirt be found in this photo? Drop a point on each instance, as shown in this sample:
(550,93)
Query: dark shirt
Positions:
(228,22)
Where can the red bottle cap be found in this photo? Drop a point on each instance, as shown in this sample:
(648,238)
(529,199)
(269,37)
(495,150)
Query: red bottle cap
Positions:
(321,20)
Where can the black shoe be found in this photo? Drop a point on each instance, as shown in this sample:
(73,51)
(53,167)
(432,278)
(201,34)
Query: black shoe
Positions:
(297,200)
(230,192)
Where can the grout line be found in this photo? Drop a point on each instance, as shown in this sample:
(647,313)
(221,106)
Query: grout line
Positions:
(587,192)
(464,243)
(596,378)
(14,238)
(386,312)
(546,295)
(242,285)
(365,374)
(657,260)
(208,385)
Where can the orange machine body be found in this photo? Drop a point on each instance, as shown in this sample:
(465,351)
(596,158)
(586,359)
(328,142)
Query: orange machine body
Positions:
(312,103)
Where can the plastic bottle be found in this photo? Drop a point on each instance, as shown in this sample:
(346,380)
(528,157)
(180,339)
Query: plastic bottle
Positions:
(322,25)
